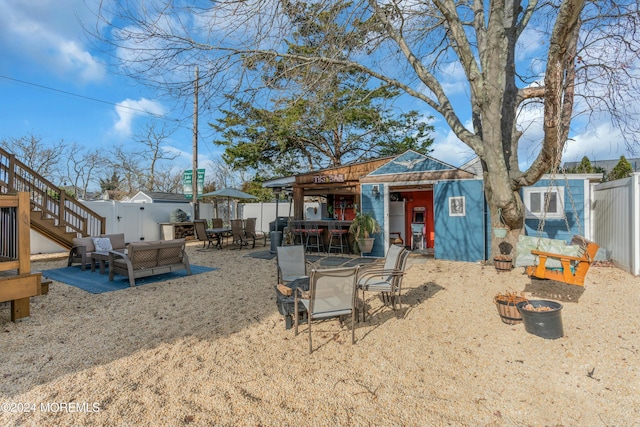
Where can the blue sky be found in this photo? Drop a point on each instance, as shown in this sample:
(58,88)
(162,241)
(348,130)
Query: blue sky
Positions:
(55,85)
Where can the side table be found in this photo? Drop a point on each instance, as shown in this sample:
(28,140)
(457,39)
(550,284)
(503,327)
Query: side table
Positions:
(286,304)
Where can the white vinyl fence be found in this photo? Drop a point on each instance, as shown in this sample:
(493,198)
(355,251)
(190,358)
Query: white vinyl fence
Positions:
(141,221)
(138,221)
(616,215)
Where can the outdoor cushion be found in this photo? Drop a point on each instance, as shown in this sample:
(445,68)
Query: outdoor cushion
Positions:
(528,243)
(117,240)
(87,242)
(102,244)
(558,247)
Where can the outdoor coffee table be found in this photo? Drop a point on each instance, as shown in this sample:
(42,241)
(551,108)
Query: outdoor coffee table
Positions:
(101,258)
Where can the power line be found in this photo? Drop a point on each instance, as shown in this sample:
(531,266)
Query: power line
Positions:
(86,97)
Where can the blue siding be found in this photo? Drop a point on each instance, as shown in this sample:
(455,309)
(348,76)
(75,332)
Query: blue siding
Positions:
(557,228)
(459,238)
(374,206)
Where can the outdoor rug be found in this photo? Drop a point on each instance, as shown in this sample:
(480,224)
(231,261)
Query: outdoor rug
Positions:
(97,283)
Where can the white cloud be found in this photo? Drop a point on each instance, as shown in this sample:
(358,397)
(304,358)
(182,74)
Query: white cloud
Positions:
(602,142)
(129,109)
(449,149)
(48,34)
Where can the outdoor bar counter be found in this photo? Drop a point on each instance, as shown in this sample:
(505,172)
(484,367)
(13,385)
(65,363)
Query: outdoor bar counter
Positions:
(324,225)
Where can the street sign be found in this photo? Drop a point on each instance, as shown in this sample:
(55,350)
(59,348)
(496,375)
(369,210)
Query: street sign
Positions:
(187,183)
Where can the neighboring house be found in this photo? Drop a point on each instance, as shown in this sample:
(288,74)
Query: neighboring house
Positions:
(158,197)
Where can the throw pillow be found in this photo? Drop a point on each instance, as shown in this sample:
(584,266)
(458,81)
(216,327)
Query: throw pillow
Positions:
(102,244)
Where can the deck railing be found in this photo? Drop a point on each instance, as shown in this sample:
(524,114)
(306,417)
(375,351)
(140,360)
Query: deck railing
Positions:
(14,239)
(47,199)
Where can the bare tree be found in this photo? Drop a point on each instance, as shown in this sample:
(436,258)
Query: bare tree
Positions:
(153,138)
(82,166)
(224,175)
(168,179)
(127,165)
(37,154)
(512,54)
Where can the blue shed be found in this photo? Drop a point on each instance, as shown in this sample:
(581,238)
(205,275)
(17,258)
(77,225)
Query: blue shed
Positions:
(440,209)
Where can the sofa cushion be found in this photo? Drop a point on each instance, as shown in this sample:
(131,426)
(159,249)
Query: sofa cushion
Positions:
(117,240)
(87,242)
(102,244)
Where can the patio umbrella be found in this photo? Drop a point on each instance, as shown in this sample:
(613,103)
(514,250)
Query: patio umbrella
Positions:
(229,193)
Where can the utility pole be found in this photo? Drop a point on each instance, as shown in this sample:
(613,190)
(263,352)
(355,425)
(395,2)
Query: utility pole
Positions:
(194,172)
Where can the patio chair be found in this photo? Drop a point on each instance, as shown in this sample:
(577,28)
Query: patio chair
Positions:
(331,294)
(386,279)
(219,223)
(292,263)
(250,231)
(200,226)
(239,235)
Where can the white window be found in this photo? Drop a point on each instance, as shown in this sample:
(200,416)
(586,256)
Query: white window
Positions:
(537,199)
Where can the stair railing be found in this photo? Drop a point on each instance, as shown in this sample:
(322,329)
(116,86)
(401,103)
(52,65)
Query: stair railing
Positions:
(52,202)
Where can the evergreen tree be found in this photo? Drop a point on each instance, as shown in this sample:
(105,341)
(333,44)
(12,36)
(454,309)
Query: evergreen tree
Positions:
(621,170)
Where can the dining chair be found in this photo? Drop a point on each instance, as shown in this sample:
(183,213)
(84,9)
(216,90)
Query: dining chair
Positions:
(251,233)
(331,294)
(239,235)
(200,226)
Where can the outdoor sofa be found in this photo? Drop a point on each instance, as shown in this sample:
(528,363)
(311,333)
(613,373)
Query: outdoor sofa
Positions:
(145,259)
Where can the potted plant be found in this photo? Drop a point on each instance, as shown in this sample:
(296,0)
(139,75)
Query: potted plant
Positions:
(504,262)
(362,228)
(506,303)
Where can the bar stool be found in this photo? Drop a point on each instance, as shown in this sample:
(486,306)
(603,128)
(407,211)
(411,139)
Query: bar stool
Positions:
(338,237)
(299,233)
(314,236)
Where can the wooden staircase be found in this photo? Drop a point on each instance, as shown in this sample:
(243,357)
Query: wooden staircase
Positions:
(54,214)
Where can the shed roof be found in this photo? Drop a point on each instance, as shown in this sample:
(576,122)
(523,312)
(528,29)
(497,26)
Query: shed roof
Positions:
(159,197)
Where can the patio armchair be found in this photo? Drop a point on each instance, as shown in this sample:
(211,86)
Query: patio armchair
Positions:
(385,279)
(200,226)
(331,294)
(292,263)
